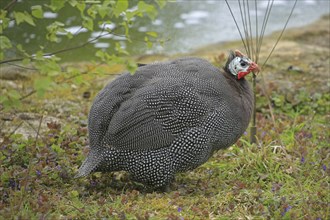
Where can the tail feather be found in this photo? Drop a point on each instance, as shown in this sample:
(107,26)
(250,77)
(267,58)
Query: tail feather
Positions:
(90,164)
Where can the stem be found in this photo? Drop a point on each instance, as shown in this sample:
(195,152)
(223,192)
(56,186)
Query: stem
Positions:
(253,129)
(9,5)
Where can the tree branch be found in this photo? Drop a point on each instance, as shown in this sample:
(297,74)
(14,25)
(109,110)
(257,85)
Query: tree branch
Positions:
(59,51)
(10,4)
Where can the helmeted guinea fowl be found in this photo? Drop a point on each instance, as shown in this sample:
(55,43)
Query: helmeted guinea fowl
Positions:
(168,117)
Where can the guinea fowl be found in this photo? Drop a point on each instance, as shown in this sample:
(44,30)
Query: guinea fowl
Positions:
(168,117)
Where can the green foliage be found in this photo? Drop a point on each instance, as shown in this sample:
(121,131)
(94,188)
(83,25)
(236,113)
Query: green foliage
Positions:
(21,17)
(4,44)
(11,98)
(147,9)
(4,20)
(120,7)
(121,13)
(37,11)
(53,29)
(56,5)
(302,102)
(42,84)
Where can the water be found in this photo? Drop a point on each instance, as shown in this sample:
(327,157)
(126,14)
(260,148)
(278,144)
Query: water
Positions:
(193,24)
(186,24)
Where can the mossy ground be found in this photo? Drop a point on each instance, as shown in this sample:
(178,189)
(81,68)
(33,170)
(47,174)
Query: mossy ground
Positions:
(284,176)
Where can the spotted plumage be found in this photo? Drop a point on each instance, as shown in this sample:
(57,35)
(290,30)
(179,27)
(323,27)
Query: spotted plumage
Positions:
(168,117)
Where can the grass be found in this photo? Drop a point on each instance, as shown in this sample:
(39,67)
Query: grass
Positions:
(284,176)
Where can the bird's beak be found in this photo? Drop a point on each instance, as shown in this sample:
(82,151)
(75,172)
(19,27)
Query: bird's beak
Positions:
(254,68)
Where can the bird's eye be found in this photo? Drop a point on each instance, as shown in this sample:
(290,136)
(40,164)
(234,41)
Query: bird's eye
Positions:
(243,64)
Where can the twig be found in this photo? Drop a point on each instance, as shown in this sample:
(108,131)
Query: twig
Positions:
(26,177)
(279,38)
(9,5)
(239,30)
(76,47)
(11,133)
(83,73)
(268,100)
(244,22)
(22,67)
(253,129)
(27,95)
(257,32)
(11,60)
(38,131)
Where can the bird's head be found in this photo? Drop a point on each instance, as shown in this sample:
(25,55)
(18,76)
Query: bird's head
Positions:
(240,65)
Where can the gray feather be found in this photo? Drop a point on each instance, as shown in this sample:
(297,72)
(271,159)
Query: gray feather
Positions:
(166,118)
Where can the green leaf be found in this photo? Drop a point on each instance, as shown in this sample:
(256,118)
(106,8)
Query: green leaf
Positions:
(100,54)
(39,55)
(53,29)
(120,50)
(81,7)
(47,65)
(37,11)
(21,17)
(73,3)
(126,26)
(78,79)
(56,5)
(148,9)
(103,11)
(11,100)
(74,194)
(152,34)
(108,2)
(88,23)
(131,14)
(57,148)
(42,84)
(161,3)
(131,66)
(19,47)
(4,20)
(26,61)
(120,7)
(5,43)
(149,44)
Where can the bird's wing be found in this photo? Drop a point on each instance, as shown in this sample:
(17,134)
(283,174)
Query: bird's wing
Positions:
(154,115)
(105,105)
(148,109)
(177,107)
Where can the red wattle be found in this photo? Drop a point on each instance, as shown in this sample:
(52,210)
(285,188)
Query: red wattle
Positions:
(241,75)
